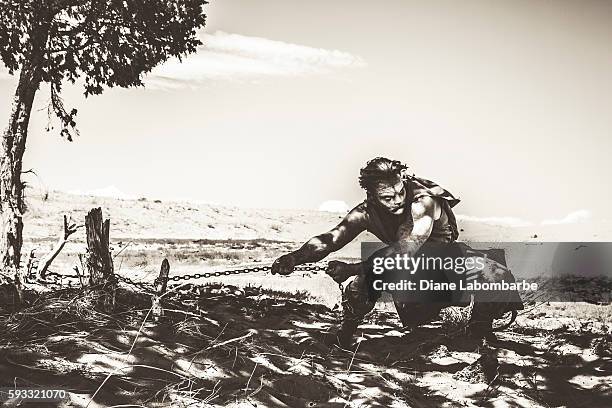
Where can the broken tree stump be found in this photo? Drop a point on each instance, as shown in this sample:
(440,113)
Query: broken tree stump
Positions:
(160,288)
(98,259)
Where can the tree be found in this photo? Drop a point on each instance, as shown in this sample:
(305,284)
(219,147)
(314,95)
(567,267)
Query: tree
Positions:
(107,43)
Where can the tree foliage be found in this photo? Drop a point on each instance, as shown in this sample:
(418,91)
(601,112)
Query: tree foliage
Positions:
(107,43)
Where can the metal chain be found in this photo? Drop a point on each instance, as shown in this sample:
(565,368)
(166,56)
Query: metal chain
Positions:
(300,268)
(141,285)
(60,276)
(56,278)
(219,273)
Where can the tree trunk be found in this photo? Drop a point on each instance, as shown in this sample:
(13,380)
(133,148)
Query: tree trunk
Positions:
(11,188)
(13,146)
(98,259)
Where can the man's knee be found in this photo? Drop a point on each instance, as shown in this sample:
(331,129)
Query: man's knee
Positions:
(357,301)
(483,311)
(416,314)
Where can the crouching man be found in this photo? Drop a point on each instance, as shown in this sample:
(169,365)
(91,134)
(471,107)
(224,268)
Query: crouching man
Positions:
(402,211)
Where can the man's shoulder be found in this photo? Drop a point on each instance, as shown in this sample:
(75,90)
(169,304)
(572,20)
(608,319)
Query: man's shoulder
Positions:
(421,187)
(361,207)
(426,200)
(359,213)
(425,204)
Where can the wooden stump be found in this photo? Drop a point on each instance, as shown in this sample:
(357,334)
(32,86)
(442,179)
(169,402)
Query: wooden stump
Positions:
(160,288)
(98,260)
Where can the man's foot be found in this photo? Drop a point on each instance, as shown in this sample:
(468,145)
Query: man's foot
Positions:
(474,340)
(482,331)
(343,338)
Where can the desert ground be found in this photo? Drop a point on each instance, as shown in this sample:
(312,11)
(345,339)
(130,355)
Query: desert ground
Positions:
(257,340)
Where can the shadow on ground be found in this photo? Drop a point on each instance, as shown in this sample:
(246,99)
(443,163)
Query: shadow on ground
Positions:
(224,346)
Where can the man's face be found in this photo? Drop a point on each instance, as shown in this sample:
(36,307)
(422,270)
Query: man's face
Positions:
(391,196)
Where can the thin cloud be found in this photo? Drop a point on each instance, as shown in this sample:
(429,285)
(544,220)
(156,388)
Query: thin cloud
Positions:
(110,191)
(236,57)
(571,218)
(226,56)
(335,206)
(500,221)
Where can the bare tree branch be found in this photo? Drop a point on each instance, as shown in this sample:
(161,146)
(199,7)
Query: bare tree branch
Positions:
(69,229)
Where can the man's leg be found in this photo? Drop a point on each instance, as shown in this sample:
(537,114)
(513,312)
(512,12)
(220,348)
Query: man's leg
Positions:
(357,301)
(489,305)
(481,320)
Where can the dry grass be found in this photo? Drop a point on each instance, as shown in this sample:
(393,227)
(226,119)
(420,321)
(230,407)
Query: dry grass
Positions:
(62,330)
(67,310)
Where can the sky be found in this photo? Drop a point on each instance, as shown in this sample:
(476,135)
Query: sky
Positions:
(504,103)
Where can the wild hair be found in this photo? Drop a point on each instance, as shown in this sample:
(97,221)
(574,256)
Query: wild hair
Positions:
(378,170)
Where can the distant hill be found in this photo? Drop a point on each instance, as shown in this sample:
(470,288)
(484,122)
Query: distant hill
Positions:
(151,218)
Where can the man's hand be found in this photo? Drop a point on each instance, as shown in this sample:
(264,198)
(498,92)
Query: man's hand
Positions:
(283,265)
(340,271)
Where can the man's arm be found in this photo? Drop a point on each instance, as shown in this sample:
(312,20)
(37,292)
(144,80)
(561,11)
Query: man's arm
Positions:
(320,246)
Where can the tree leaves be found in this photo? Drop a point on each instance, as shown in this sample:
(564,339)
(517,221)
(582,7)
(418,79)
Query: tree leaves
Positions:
(114,42)
(15,18)
(106,42)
